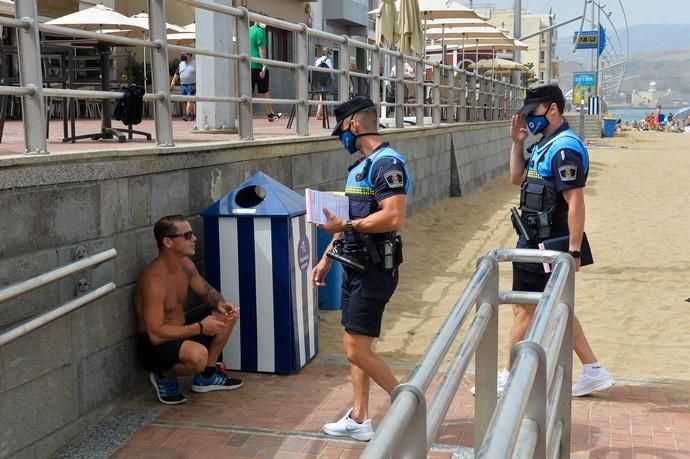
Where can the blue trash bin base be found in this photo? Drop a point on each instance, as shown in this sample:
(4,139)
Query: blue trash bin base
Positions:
(330,294)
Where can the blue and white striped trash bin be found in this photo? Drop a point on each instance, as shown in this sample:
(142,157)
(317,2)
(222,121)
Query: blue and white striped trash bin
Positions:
(259,253)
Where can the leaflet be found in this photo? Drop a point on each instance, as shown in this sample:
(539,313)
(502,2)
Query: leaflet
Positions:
(337,204)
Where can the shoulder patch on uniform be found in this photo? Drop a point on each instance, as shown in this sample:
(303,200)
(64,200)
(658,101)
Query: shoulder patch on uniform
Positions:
(568,173)
(394,178)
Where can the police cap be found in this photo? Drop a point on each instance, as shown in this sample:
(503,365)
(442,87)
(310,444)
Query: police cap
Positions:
(349,108)
(542,94)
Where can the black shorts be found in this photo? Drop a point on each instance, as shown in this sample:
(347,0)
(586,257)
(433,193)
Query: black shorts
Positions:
(261,84)
(163,356)
(529,277)
(364,297)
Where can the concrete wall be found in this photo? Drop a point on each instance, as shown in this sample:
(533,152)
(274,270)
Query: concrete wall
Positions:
(57,380)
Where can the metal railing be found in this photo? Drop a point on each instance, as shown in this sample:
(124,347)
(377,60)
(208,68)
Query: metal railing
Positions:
(461,95)
(19,288)
(533,419)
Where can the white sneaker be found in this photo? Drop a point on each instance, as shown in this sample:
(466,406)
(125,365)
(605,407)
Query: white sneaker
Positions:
(501,381)
(346,427)
(586,384)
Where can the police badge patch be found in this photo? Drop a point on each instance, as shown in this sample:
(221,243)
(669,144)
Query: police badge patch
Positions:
(568,173)
(394,179)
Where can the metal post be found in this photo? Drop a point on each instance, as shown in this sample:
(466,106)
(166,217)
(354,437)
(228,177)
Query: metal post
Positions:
(472,95)
(486,358)
(565,361)
(33,107)
(244,76)
(450,111)
(412,443)
(463,96)
(582,119)
(343,66)
(421,89)
(517,33)
(159,68)
(436,111)
(301,81)
(375,83)
(399,91)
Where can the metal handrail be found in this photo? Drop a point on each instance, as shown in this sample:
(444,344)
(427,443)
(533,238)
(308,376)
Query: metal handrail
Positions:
(534,416)
(54,314)
(19,288)
(22,287)
(33,93)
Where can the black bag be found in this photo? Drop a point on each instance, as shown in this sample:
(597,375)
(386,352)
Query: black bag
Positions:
(130,108)
(321,79)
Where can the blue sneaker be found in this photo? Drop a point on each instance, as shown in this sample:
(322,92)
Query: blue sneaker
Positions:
(166,389)
(216,381)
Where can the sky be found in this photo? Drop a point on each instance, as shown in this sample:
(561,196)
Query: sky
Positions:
(637,11)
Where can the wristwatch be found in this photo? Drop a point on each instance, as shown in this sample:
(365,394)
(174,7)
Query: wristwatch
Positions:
(574,253)
(348,226)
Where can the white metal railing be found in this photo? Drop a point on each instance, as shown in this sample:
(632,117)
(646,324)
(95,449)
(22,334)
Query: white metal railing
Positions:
(19,288)
(468,96)
(533,419)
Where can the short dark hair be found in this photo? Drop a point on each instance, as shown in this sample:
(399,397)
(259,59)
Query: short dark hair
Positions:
(369,117)
(166,227)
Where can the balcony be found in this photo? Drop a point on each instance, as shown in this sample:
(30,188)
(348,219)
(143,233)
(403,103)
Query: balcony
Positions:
(347,12)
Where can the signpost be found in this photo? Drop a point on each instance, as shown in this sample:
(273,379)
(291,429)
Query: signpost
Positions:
(584,85)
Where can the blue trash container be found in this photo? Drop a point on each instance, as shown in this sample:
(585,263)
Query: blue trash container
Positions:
(329,294)
(609,127)
(259,253)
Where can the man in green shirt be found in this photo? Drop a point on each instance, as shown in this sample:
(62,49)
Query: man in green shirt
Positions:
(257,48)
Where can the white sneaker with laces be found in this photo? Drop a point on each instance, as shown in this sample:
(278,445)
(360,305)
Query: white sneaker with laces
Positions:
(501,381)
(347,427)
(586,384)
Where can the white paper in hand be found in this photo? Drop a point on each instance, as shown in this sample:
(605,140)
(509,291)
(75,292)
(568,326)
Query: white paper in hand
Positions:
(316,201)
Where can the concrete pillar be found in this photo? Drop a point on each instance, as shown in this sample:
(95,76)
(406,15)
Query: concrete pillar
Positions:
(215,76)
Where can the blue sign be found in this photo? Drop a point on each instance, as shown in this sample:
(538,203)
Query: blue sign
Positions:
(588,39)
(591,39)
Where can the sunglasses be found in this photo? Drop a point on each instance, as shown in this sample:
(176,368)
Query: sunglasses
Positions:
(188,235)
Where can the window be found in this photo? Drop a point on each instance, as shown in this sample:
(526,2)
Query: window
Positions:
(279,44)
(542,57)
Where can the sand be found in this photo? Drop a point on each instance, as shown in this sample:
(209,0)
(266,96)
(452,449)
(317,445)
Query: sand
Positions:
(631,301)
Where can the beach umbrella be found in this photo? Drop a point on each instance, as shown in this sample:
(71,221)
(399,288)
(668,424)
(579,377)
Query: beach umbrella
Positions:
(182,39)
(445,9)
(386,31)
(410,27)
(442,10)
(190,27)
(497,64)
(97,18)
(143,20)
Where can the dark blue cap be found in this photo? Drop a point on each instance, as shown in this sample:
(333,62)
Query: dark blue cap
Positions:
(349,108)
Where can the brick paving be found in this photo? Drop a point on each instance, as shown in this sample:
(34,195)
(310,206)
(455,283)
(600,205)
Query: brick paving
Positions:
(183,134)
(275,416)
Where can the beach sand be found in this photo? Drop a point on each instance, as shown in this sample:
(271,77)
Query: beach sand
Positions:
(631,301)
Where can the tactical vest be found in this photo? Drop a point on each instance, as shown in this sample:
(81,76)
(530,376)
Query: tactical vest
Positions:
(360,190)
(539,201)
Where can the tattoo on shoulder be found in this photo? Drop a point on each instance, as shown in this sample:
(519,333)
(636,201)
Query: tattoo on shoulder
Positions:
(190,270)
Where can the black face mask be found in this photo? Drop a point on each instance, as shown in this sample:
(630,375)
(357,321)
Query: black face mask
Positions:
(183,58)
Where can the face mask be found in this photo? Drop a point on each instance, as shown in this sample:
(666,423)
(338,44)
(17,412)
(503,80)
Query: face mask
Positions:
(348,139)
(536,124)
(183,58)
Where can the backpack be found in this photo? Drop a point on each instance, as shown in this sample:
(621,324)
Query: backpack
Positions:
(321,79)
(130,108)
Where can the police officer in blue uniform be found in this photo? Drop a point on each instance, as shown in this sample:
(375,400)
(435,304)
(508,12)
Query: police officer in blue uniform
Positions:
(368,246)
(552,182)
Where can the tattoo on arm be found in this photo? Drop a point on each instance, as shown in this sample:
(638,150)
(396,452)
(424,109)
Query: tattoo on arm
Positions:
(213,297)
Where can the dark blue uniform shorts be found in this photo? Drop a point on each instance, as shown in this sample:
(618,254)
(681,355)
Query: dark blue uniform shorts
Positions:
(364,297)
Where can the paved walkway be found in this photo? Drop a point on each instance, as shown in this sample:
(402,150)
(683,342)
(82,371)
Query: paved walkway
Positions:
(281,416)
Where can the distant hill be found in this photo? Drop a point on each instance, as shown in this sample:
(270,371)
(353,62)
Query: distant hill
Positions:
(644,38)
(658,53)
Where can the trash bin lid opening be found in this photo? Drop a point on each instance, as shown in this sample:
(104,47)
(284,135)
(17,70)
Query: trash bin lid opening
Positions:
(250,196)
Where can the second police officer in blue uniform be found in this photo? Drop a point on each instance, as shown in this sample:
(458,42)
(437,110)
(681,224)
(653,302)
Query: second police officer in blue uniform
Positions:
(370,250)
(552,205)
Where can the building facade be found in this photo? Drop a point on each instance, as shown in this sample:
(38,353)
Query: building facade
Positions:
(542,48)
